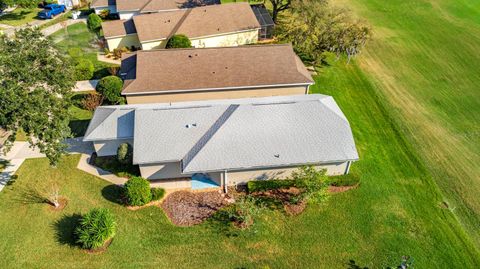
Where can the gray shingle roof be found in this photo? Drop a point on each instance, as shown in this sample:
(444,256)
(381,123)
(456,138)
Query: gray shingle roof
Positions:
(232,134)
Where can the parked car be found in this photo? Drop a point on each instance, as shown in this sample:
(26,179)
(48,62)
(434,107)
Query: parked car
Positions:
(51,10)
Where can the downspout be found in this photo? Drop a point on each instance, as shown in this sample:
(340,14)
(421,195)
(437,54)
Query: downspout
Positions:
(225,180)
(348,167)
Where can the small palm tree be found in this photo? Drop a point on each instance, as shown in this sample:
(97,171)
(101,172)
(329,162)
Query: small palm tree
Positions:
(96,228)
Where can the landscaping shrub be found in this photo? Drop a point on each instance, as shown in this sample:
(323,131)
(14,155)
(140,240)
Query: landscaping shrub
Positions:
(96,228)
(265,185)
(312,182)
(137,191)
(178,41)
(94,22)
(243,212)
(125,153)
(84,69)
(157,193)
(92,101)
(104,13)
(111,87)
(344,180)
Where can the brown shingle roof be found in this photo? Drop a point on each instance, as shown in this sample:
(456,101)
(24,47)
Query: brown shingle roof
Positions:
(131,5)
(118,28)
(214,68)
(156,5)
(102,3)
(196,22)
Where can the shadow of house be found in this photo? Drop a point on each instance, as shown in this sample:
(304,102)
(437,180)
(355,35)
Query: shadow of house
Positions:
(199,3)
(65,229)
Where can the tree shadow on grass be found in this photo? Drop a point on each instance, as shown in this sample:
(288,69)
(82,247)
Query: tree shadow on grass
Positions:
(78,127)
(113,193)
(30,196)
(65,229)
(15,16)
(353,265)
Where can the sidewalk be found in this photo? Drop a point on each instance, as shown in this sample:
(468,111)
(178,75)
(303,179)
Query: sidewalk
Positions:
(85,85)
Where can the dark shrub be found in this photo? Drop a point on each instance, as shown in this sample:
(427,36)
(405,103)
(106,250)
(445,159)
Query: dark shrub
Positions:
(84,69)
(95,228)
(111,87)
(178,41)
(137,191)
(157,193)
(265,185)
(344,180)
(92,101)
(94,22)
(125,153)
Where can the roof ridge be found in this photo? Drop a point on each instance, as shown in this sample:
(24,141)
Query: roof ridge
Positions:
(208,135)
(142,7)
(179,23)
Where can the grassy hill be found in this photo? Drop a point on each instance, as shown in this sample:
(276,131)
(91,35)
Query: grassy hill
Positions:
(425,66)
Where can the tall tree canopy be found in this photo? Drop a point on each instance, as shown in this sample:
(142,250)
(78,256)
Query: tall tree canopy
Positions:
(314,27)
(21,3)
(35,90)
(279,6)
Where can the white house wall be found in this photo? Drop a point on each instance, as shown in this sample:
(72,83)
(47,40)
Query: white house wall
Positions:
(227,40)
(124,41)
(126,15)
(242,177)
(109,147)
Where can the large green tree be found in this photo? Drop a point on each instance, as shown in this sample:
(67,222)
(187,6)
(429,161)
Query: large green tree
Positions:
(314,27)
(35,91)
(20,3)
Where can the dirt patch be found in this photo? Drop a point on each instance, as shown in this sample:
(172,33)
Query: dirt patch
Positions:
(62,204)
(337,189)
(283,195)
(186,208)
(295,209)
(100,249)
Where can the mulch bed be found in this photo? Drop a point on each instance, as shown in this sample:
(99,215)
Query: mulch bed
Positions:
(284,196)
(295,209)
(186,208)
(337,189)
(63,203)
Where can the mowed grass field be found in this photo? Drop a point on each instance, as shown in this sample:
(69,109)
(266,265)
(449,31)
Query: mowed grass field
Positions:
(425,64)
(396,211)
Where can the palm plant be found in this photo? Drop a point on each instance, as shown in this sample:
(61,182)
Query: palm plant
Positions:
(95,228)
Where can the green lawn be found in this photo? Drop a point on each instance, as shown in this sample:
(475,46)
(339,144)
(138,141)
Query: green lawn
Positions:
(19,16)
(425,64)
(397,210)
(77,36)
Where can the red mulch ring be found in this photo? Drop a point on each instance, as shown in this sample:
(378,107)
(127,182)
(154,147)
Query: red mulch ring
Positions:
(100,249)
(62,204)
(337,189)
(295,209)
(186,208)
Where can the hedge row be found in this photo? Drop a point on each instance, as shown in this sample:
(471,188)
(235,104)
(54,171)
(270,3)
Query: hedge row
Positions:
(265,185)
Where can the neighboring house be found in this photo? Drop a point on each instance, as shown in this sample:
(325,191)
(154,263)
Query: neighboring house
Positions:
(209,26)
(176,75)
(227,142)
(126,9)
(69,4)
(100,5)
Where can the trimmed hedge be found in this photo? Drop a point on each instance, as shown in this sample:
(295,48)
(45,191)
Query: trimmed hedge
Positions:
(96,228)
(84,69)
(111,88)
(344,180)
(94,22)
(137,191)
(178,41)
(157,193)
(265,185)
(125,153)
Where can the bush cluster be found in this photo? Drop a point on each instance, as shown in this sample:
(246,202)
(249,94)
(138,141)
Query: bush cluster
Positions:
(125,153)
(94,22)
(157,193)
(96,228)
(83,69)
(137,191)
(92,101)
(265,185)
(344,180)
(178,41)
(111,87)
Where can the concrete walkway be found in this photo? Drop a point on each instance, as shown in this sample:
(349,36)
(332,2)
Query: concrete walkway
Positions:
(84,165)
(58,26)
(85,85)
(22,150)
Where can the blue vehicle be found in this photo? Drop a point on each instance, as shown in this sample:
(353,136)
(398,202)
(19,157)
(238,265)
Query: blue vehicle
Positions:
(51,10)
